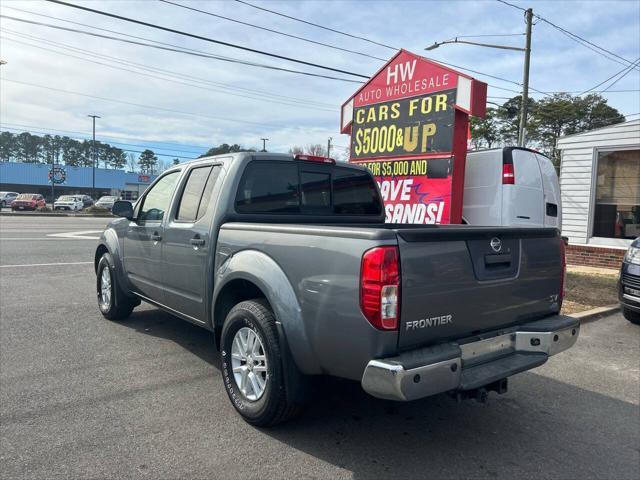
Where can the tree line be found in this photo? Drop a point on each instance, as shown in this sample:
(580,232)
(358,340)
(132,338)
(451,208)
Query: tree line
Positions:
(55,149)
(547,120)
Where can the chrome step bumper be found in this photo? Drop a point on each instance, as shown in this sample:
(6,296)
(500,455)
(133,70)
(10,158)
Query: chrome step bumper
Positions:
(469,364)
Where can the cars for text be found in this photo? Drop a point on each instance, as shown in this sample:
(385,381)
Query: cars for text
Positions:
(6,198)
(629,283)
(28,201)
(288,261)
(68,202)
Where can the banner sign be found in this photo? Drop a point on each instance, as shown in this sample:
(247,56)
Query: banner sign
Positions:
(409,125)
(420,125)
(414,191)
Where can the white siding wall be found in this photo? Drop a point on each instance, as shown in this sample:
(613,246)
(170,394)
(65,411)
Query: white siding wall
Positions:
(579,156)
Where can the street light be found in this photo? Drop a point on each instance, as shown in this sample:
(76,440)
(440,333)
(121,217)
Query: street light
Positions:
(525,80)
(93,154)
(264,144)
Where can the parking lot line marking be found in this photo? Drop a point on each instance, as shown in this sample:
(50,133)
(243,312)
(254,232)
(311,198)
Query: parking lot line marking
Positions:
(45,264)
(44,238)
(82,234)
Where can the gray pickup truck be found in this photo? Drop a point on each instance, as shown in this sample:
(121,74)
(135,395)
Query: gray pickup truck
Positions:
(289,262)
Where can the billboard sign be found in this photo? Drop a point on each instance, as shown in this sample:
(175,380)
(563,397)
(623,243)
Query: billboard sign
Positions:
(409,125)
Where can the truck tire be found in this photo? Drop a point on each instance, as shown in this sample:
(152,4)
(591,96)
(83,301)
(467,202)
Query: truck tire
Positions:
(113,303)
(632,316)
(252,365)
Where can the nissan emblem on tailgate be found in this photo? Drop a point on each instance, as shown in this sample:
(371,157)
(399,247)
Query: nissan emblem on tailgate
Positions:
(496,244)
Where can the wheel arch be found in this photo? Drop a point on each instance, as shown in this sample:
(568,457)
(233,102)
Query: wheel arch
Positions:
(252,272)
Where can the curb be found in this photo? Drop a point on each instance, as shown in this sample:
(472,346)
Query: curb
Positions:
(595,313)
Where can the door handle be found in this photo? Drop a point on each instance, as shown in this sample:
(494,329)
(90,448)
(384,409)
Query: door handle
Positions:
(156,237)
(197,241)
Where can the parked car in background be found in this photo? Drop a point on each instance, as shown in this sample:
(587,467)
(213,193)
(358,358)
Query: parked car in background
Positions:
(511,187)
(6,198)
(28,201)
(68,202)
(106,202)
(629,284)
(87,201)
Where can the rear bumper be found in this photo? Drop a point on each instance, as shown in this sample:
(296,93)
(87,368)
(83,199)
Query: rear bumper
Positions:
(469,364)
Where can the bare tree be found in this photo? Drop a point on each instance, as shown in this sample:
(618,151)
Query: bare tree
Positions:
(131,162)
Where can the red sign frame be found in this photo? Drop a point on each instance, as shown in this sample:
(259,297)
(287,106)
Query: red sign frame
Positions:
(407,75)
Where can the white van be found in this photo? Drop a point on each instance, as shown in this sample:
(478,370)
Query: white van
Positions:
(511,186)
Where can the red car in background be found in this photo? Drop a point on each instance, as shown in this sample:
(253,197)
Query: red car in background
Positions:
(28,201)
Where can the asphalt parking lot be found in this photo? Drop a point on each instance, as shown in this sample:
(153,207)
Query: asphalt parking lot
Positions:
(82,397)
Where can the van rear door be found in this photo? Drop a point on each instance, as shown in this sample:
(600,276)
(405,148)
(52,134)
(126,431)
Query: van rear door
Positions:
(523,202)
(551,187)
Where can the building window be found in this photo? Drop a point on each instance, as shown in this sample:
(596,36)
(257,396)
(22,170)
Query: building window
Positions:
(617,204)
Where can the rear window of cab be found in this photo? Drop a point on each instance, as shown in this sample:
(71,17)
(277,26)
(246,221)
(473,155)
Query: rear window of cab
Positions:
(287,187)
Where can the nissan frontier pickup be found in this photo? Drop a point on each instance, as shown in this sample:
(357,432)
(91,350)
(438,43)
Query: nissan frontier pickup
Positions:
(288,261)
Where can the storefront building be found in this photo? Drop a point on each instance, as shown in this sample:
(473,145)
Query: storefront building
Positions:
(600,185)
(34,178)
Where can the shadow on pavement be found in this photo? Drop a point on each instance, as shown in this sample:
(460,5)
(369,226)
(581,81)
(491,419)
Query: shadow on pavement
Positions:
(541,428)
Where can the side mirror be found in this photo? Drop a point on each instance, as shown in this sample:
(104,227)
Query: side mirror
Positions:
(123,208)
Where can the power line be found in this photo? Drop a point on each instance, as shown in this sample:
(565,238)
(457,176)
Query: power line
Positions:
(164,78)
(207,55)
(577,38)
(200,147)
(271,30)
(621,76)
(185,50)
(223,85)
(626,69)
(123,102)
(206,39)
(316,25)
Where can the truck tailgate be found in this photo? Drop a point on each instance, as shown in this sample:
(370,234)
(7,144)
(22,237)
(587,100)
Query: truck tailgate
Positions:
(460,281)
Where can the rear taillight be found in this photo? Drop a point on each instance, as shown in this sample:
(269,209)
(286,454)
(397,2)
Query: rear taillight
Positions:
(563,278)
(508,174)
(380,287)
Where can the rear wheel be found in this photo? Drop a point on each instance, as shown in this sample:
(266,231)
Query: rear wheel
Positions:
(113,303)
(252,365)
(631,315)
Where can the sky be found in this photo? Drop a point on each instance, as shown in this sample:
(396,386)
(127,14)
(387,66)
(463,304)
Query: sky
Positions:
(180,105)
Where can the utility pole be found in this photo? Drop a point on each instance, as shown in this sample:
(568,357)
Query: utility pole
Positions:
(522,131)
(93,155)
(329,146)
(264,144)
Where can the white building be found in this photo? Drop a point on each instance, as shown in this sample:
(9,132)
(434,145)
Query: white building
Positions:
(600,185)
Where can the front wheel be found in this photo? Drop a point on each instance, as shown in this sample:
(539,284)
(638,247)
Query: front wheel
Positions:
(631,315)
(252,365)
(112,301)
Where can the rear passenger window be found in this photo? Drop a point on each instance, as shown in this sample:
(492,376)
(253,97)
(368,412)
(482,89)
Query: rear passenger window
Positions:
(269,187)
(197,193)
